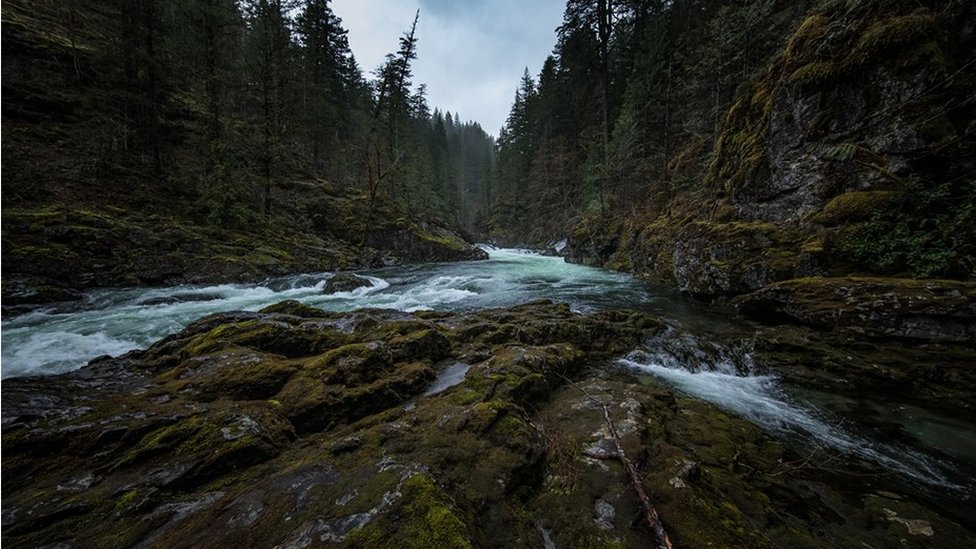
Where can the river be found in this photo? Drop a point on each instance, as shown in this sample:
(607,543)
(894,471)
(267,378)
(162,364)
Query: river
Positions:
(695,354)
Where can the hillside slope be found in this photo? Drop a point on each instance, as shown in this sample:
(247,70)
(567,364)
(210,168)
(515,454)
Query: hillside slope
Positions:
(52,252)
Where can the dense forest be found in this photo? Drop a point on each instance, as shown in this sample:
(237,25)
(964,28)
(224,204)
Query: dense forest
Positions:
(757,139)
(249,121)
(216,101)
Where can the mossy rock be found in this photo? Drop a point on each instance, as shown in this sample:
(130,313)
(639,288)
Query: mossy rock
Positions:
(425,519)
(855,206)
(345,283)
(295,308)
(182,446)
(268,334)
(935,310)
(725,259)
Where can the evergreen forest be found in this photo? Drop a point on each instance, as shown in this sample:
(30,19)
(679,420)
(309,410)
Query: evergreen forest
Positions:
(710,283)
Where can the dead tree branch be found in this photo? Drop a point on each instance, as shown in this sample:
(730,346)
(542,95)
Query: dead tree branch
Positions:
(653,520)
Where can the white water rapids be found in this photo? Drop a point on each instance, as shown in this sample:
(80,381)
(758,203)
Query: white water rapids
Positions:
(111,322)
(728,379)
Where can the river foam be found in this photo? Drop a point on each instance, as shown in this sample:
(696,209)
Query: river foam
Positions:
(113,321)
(728,378)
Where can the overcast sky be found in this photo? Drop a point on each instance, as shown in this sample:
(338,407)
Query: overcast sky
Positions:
(471,53)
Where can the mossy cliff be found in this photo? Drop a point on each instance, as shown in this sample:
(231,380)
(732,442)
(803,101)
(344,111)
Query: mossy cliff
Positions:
(850,153)
(294,427)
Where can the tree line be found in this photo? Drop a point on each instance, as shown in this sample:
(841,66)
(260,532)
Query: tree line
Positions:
(218,102)
(625,111)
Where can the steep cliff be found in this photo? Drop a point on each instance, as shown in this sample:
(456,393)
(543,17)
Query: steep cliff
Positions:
(851,152)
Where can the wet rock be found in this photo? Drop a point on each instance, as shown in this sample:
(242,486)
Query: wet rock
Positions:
(425,242)
(295,308)
(22,294)
(345,283)
(715,260)
(179,298)
(231,441)
(604,514)
(933,310)
(916,527)
(685,471)
(935,374)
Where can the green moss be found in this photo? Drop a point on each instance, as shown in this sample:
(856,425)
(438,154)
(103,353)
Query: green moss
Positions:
(813,74)
(126,499)
(248,381)
(855,206)
(451,243)
(430,522)
(815,245)
(266,335)
(42,252)
(483,415)
(807,35)
(292,307)
(884,35)
(928,55)
(423,344)
(741,143)
(464,397)
(352,364)
(425,518)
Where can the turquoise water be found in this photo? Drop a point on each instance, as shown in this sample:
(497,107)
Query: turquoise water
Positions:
(111,322)
(694,355)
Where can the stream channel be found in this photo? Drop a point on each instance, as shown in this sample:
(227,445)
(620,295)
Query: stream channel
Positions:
(704,352)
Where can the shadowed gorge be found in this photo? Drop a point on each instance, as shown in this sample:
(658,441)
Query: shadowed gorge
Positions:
(713,283)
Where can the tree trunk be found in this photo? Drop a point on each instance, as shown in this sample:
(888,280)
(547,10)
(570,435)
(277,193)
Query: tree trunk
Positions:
(604,11)
(150,22)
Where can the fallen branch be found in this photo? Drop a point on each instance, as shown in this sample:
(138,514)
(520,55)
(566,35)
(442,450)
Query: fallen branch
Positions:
(653,520)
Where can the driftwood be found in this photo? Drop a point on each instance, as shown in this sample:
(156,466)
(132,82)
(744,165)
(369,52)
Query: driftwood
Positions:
(653,520)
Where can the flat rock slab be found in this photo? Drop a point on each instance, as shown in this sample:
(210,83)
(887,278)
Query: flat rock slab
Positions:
(934,310)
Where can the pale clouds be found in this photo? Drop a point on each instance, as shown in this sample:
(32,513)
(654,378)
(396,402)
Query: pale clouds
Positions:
(471,54)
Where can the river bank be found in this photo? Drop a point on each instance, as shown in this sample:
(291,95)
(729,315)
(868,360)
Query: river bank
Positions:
(55,253)
(348,427)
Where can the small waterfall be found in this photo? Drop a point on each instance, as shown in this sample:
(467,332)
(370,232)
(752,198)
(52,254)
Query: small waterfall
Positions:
(726,375)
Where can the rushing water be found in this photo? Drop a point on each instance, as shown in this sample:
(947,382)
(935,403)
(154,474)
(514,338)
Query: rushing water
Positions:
(111,322)
(115,321)
(727,377)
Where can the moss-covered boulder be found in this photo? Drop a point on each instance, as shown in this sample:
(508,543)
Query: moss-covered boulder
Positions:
(345,282)
(938,375)
(723,259)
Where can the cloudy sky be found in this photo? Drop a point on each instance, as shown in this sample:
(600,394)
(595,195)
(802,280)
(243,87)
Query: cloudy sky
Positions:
(471,53)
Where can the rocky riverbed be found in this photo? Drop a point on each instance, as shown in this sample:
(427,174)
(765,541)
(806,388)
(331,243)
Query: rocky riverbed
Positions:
(296,427)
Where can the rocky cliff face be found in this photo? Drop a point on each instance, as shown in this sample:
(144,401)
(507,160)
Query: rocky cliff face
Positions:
(851,153)
(294,427)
